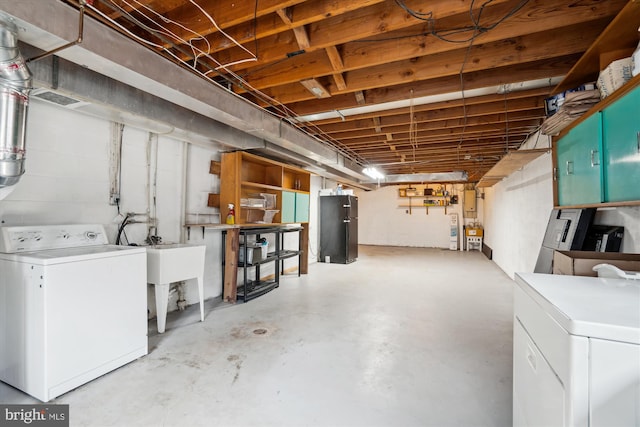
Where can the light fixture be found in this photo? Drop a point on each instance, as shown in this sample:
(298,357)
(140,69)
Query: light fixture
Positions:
(372,173)
(315,88)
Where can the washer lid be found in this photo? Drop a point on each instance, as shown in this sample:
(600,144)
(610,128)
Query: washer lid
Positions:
(65,255)
(588,306)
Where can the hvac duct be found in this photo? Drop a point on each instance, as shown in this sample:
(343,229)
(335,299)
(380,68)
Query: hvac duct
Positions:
(15,84)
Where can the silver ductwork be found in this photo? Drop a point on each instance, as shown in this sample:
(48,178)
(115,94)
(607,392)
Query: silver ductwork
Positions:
(15,85)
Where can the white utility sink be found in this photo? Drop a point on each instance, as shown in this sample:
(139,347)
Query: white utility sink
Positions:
(173,263)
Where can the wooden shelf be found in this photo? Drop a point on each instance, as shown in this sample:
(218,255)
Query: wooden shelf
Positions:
(510,163)
(618,40)
(423,206)
(213,200)
(601,205)
(258,185)
(214,167)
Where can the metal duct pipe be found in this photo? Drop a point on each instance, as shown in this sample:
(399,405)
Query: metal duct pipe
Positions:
(15,85)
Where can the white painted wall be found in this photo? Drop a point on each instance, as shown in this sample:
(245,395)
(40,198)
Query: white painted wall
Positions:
(517,209)
(516,212)
(67,181)
(381,220)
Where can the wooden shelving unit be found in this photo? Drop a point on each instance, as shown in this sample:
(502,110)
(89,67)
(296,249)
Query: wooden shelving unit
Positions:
(441,200)
(510,163)
(245,176)
(618,40)
(213,200)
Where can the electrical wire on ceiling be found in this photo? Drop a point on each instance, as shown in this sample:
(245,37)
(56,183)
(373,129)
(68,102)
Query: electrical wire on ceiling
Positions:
(164,30)
(234,41)
(255,28)
(475,28)
(413,128)
(465,117)
(197,52)
(166,35)
(172,49)
(506,118)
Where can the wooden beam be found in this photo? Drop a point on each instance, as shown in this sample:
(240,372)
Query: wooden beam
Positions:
(435,113)
(341,84)
(302,37)
(360,98)
(298,31)
(360,23)
(226,14)
(230,286)
(336,63)
(496,119)
(285,15)
(529,48)
(532,18)
(500,75)
(335,58)
(271,25)
(376,125)
(518,100)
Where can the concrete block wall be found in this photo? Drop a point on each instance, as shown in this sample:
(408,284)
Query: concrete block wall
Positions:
(67,181)
(382,221)
(517,211)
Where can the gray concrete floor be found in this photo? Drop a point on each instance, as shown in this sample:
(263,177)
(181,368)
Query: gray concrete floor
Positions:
(402,337)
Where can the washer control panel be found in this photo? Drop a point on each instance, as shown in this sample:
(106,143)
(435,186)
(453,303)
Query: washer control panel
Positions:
(35,238)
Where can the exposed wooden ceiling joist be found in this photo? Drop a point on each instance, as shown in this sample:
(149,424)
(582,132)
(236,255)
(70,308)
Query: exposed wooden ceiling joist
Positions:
(374,54)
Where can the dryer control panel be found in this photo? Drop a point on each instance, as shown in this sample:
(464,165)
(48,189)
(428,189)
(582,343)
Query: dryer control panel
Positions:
(35,238)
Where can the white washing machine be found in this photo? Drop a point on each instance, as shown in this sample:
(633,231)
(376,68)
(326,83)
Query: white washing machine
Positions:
(576,351)
(72,307)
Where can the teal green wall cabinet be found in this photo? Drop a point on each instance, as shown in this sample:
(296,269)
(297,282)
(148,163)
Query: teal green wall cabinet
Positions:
(302,207)
(621,140)
(598,160)
(295,207)
(288,213)
(579,171)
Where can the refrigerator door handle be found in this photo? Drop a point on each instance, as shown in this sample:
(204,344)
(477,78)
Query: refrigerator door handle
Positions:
(346,220)
(346,206)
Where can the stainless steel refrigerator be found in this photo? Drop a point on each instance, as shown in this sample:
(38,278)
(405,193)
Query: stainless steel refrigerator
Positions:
(338,229)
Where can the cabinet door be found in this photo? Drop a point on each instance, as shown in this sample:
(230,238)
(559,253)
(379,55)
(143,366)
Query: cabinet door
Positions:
(302,207)
(579,156)
(288,213)
(621,129)
(295,207)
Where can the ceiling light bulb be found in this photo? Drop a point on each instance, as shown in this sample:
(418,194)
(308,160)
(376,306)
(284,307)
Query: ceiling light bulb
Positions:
(373,173)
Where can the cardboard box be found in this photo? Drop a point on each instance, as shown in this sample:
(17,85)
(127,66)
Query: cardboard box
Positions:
(614,76)
(581,263)
(474,232)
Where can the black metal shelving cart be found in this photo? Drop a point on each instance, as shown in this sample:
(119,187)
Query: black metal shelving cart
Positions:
(249,289)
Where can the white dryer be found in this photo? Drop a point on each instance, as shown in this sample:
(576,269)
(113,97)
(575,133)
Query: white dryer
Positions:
(72,307)
(576,351)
